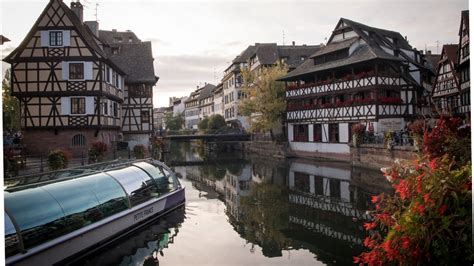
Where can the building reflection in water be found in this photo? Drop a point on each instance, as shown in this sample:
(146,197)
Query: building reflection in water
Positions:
(296,204)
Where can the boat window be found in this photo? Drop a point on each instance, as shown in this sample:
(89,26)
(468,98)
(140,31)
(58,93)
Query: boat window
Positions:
(163,178)
(37,214)
(109,193)
(138,185)
(11,238)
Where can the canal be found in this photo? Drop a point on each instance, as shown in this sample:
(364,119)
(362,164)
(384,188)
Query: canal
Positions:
(247,210)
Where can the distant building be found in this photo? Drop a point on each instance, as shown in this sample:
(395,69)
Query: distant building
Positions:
(464,65)
(446,87)
(255,57)
(363,74)
(178,104)
(158,117)
(219,100)
(206,101)
(191,111)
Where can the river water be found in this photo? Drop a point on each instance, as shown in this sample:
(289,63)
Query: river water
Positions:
(248,210)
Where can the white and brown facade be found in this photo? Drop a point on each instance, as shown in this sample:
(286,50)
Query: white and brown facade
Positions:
(464,65)
(363,74)
(135,57)
(59,75)
(446,89)
(191,109)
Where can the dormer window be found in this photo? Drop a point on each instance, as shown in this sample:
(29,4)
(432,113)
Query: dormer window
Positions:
(55,38)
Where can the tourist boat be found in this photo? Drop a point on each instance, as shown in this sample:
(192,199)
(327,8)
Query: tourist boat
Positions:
(54,221)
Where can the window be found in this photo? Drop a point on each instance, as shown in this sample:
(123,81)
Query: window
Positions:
(106,108)
(115,109)
(56,38)
(107,74)
(145,117)
(76,70)
(333,132)
(317,133)
(78,105)
(114,78)
(300,133)
(302,182)
(78,140)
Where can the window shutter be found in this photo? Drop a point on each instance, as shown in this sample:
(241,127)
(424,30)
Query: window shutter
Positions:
(44,38)
(66,38)
(65,70)
(90,105)
(88,71)
(65,105)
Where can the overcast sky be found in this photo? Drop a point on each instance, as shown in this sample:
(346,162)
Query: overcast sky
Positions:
(194,41)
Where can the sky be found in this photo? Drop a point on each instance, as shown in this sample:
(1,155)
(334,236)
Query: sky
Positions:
(195,41)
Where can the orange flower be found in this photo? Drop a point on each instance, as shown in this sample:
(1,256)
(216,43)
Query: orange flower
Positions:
(375,199)
(370,226)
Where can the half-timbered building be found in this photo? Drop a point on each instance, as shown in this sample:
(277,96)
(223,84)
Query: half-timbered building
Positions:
(60,74)
(464,65)
(206,101)
(446,86)
(191,109)
(135,57)
(363,74)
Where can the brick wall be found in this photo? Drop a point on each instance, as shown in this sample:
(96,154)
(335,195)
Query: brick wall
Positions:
(376,156)
(39,142)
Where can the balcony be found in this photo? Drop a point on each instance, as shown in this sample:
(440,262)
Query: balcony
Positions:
(359,81)
(369,110)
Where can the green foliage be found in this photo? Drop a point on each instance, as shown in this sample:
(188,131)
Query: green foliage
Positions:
(203,124)
(265,96)
(10,106)
(58,159)
(174,122)
(97,152)
(139,151)
(216,122)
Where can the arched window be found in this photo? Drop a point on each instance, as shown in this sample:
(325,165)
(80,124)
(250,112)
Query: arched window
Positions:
(78,140)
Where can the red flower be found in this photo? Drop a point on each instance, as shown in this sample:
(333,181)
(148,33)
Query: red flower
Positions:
(369,242)
(442,209)
(370,226)
(405,242)
(433,164)
(385,219)
(419,208)
(375,199)
(357,260)
(419,183)
(402,189)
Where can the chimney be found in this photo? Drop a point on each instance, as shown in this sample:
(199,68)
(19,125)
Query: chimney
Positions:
(93,26)
(293,43)
(78,9)
(428,52)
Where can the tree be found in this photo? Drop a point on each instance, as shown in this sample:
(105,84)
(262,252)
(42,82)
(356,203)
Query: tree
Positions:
(10,105)
(174,122)
(216,122)
(265,96)
(203,124)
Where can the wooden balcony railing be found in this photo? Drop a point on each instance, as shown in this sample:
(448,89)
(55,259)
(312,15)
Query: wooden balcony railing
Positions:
(344,84)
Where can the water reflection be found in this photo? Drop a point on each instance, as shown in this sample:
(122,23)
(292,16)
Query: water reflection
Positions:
(260,211)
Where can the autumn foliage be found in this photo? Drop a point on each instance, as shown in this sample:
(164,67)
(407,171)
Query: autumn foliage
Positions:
(428,218)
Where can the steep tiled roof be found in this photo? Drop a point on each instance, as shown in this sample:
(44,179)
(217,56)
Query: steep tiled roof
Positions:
(451,51)
(267,53)
(361,54)
(465,17)
(335,46)
(294,53)
(136,59)
(432,61)
(245,55)
(206,91)
(113,36)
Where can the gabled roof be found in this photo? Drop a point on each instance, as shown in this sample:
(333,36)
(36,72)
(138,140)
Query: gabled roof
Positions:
(293,53)
(361,54)
(136,59)
(245,54)
(432,61)
(267,53)
(206,91)
(113,36)
(335,46)
(82,29)
(451,51)
(465,18)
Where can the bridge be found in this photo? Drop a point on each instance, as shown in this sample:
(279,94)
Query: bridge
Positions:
(211,137)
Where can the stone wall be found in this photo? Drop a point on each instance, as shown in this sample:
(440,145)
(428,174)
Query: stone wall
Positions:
(40,142)
(266,148)
(376,156)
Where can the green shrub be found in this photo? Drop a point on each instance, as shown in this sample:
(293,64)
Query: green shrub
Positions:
(58,159)
(216,122)
(203,124)
(139,151)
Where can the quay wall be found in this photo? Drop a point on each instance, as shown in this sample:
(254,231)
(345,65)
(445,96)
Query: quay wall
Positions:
(376,156)
(266,148)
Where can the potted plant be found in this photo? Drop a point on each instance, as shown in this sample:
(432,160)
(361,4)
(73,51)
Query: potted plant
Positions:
(357,134)
(97,152)
(388,139)
(417,129)
(139,151)
(58,159)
